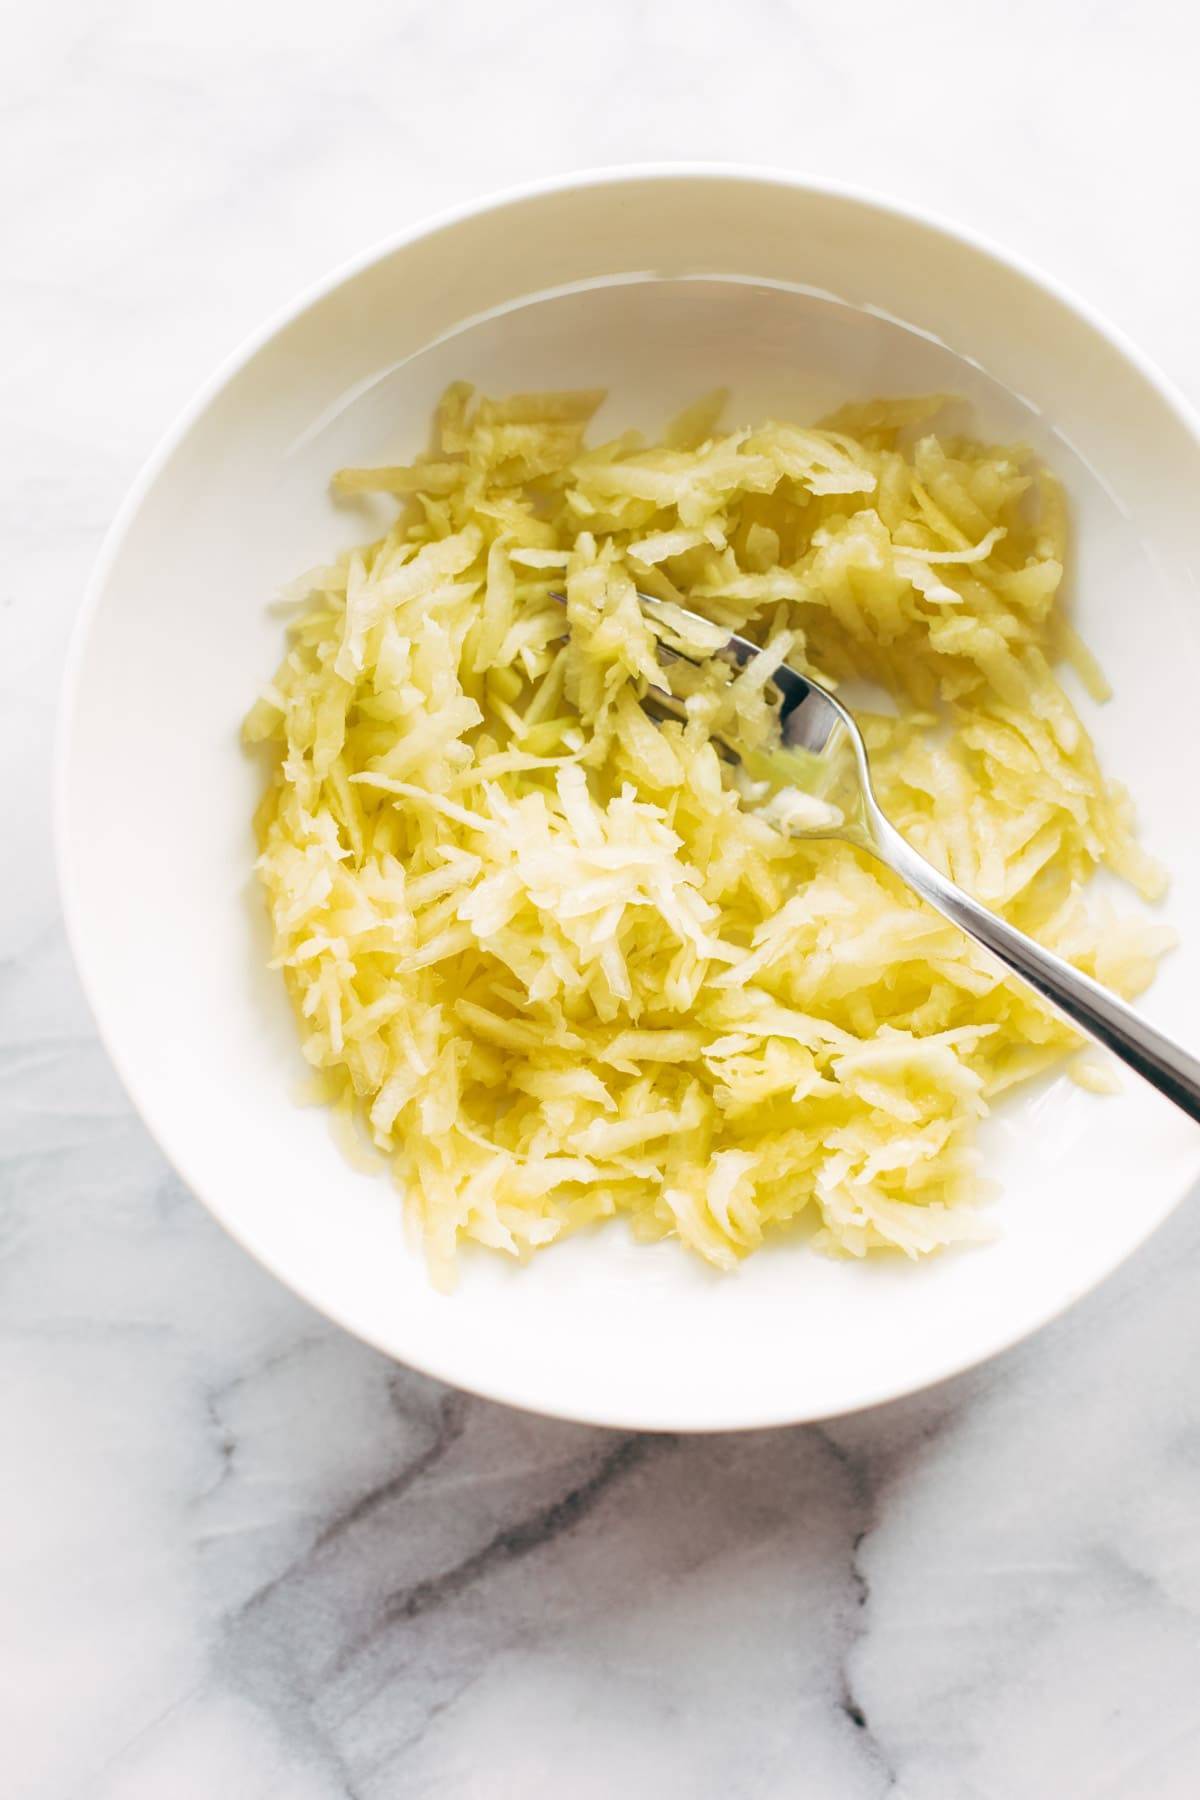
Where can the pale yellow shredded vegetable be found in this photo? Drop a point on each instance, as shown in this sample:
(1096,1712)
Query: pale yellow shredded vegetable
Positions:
(537,942)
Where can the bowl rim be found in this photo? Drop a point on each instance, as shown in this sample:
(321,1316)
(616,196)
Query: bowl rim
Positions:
(228,368)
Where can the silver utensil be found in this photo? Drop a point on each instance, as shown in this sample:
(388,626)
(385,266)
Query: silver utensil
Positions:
(811,720)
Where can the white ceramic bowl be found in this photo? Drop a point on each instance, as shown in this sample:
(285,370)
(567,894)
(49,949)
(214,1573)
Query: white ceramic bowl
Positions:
(658,284)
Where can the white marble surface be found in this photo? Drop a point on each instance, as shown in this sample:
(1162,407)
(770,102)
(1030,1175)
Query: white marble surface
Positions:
(241,1555)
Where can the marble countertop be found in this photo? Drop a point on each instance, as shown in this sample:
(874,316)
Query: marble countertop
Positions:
(241,1555)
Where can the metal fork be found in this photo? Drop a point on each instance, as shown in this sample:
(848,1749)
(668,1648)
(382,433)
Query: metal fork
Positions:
(812,720)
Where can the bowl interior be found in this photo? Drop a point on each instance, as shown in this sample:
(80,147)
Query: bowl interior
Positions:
(657,289)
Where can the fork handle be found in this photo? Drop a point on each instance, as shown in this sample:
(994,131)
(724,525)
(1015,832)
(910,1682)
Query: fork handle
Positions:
(1163,1063)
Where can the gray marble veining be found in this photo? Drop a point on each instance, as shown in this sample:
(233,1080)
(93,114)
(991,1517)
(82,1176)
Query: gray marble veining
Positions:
(241,1555)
